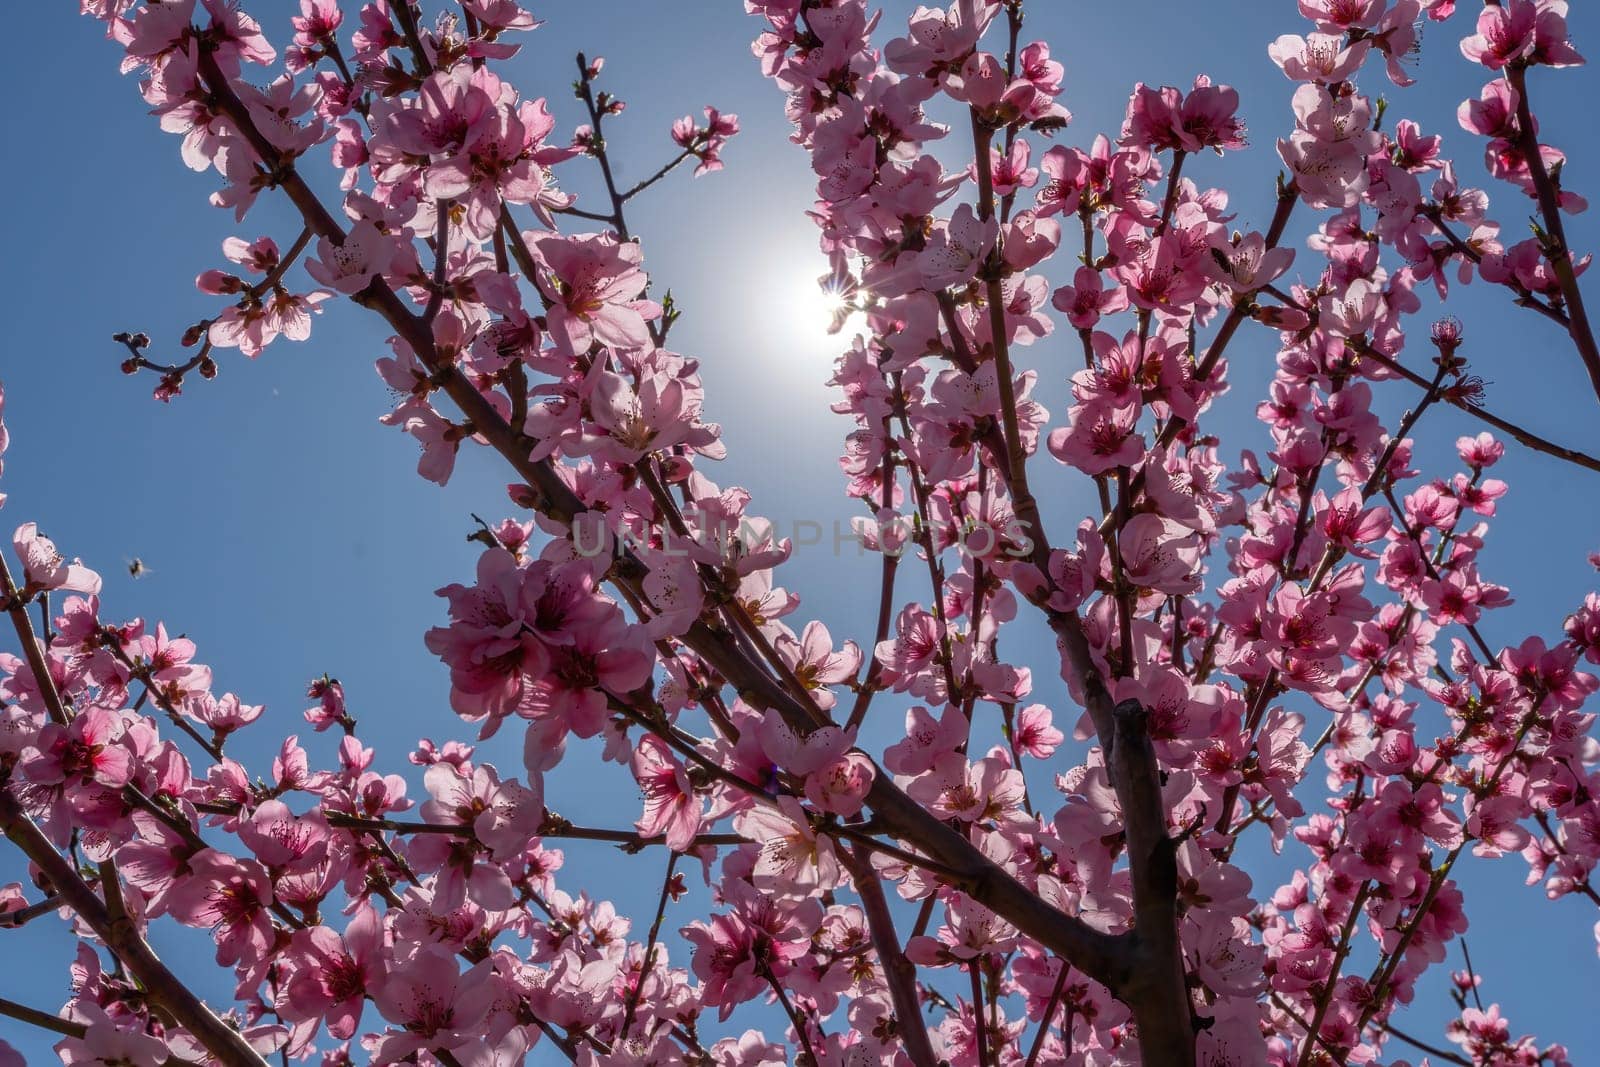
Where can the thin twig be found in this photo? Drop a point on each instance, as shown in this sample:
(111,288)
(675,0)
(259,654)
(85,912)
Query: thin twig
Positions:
(650,947)
(1523,436)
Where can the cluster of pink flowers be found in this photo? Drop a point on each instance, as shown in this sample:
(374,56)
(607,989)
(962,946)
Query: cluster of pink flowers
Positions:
(944,301)
(1225,626)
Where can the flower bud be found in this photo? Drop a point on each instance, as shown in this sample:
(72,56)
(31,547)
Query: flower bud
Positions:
(1281,318)
(218,282)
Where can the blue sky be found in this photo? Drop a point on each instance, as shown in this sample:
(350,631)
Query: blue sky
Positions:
(287,533)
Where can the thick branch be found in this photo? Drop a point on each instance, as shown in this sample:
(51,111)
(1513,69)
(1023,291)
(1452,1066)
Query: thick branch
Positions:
(1158,994)
(42,1019)
(898,972)
(122,938)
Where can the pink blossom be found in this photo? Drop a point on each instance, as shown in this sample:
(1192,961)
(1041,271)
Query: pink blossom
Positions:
(501,159)
(595,286)
(106,1042)
(1064,172)
(1248,264)
(1087,298)
(815,664)
(1328,151)
(331,974)
(1100,438)
(1318,57)
(1505,33)
(670,805)
(1159,554)
(349,265)
(1033,732)
(435,1005)
(656,416)
(957,249)
(503,815)
(1494,113)
(762,933)
(1337,16)
(492,651)
(231,897)
(282,841)
(939,36)
(794,859)
(316,23)
(1349,525)
(1011,172)
(1167,119)
(86,750)
(706,142)
(43,569)
(982,790)
(970,931)
(607,656)
(841,786)
(836,778)
(1480,451)
(926,739)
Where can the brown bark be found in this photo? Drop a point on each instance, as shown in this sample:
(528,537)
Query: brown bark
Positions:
(122,937)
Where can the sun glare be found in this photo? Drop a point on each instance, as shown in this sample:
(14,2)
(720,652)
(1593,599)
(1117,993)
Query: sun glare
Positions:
(818,307)
(805,314)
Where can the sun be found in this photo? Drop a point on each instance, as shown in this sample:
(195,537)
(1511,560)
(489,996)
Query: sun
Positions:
(803,313)
(831,302)
(820,307)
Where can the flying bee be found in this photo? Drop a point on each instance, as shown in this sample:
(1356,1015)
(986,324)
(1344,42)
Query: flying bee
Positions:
(137,568)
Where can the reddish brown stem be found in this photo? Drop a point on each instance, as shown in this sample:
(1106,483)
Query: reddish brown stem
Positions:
(1556,247)
(898,972)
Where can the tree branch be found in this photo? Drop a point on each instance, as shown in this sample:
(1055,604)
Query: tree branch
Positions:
(122,938)
(898,972)
(1555,236)
(1522,436)
(1102,956)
